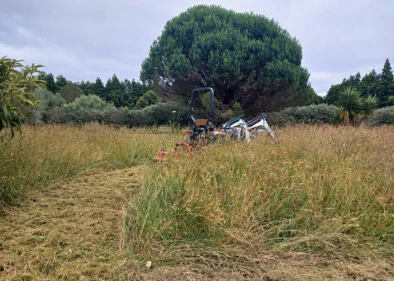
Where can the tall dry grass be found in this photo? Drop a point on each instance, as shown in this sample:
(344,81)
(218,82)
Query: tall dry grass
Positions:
(43,154)
(320,190)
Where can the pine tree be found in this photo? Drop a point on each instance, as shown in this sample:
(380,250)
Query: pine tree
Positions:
(98,88)
(385,87)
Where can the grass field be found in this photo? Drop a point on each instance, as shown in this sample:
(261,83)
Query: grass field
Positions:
(316,204)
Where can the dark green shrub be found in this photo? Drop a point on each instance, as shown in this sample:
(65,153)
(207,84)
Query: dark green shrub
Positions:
(383,115)
(47,100)
(116,116)
(159,114)
(86,115)
(311,114)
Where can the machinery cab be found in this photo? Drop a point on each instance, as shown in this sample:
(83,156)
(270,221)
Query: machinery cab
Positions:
(200,126)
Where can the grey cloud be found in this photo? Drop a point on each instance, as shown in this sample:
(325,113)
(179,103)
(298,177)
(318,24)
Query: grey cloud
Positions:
(85,39)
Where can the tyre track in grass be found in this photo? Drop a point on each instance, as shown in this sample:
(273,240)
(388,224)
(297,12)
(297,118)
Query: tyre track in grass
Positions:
(71,230)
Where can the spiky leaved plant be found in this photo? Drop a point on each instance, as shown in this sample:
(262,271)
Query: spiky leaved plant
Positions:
(368,105)
(349,105)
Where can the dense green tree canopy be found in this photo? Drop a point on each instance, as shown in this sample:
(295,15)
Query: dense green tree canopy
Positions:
(242,56)
(147,99)
(372,84)
(70,92)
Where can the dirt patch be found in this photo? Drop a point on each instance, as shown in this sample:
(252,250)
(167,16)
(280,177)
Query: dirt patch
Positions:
(69,231)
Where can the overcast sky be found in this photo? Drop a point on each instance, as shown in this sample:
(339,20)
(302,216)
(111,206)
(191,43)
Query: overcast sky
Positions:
(86,39)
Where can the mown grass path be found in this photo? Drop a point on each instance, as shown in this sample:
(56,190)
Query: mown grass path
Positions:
(69,231)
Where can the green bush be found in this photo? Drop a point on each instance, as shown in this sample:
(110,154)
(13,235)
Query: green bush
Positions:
(48,100)
(159,114)
(116,116)
(383,115)
(147,99)
(136,118)
(86,115)
(311,114)
(84,109)
(58,115)
(87,102)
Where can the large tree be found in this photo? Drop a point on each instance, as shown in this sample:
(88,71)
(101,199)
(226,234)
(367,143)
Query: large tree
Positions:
(114,91)
(98,88)
(385,86)
(335,91)
(244,57)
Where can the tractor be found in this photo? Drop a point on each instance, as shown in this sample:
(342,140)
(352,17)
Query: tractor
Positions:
(202,131)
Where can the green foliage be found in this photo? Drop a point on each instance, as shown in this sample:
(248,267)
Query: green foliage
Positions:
(47,100)
(17,84)
(237,109)
(58,115)
(61,81)
(385,87)
(368,105)
(384,115)
(86,87)
(372,84)
(237,54)
(159,114)
(98,88)
(86,109)
(311,114)
(390,100)
(115,116)
(50,82)
(149,98)
(87,102)
(349,103)
(70,92)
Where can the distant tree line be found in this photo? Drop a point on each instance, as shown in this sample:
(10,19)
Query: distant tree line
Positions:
(372,84)
(117,102)
(124,93)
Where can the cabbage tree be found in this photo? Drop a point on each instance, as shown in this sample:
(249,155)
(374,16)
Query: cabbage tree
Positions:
(349,105)
(368,105)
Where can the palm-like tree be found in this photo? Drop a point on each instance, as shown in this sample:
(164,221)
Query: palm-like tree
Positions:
(368,105)
(349,105)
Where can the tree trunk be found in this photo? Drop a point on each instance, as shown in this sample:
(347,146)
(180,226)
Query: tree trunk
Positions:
(364,122)
(346,120)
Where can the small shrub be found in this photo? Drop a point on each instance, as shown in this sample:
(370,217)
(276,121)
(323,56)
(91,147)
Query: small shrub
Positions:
(383,115)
